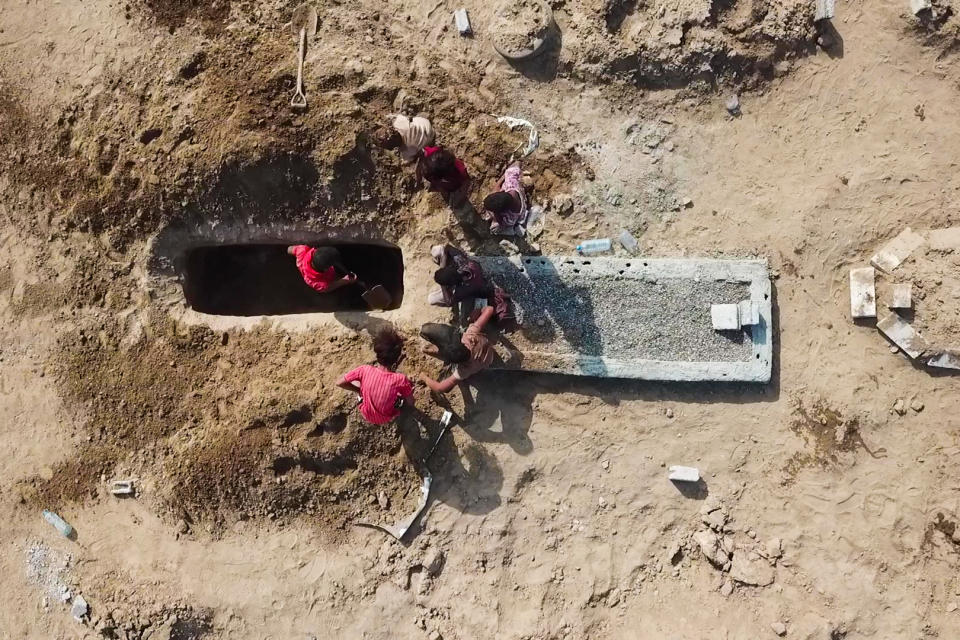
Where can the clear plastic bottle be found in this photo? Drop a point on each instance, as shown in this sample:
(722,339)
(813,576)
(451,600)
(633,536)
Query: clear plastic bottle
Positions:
(590,247)
(58,523)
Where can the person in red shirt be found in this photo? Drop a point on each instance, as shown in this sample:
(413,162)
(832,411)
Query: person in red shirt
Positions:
(383,392)
(321,267)
(445,173)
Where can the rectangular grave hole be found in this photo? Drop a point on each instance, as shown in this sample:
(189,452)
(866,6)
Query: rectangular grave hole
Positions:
(262,279)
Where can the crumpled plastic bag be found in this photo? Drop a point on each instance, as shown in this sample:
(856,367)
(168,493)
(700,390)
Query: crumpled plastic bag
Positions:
(533,140)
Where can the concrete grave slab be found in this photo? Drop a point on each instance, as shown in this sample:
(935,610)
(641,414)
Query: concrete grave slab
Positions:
(645,318)
(897,250)
(901,296)
(902,334)
(863,293)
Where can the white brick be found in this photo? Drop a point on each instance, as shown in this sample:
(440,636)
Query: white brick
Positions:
(684,474)
(897,250)
(725,317)
(824,10)
(944,239)
(902,335)
(900,296)
(863,293)
(463,22)
(749,313)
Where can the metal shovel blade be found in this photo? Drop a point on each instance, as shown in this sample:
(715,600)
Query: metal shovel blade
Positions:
(377,297)
(304,17)
(400,529)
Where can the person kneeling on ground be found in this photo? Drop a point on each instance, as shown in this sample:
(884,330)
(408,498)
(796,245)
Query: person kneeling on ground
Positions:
(445,173)
(460,277)
(382,391)
(507,208)
(322,268)
(469,354)
(410,135)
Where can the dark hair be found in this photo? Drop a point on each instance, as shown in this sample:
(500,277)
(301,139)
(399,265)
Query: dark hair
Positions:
(447,339)
(438,164)
(447,276)
(499,202)
(326,257)
(388,345)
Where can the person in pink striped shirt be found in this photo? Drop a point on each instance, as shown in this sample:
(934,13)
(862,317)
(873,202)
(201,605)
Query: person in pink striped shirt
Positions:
(382,391)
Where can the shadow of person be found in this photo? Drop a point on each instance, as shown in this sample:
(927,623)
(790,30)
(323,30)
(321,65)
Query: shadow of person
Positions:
(499,411)
(362,321)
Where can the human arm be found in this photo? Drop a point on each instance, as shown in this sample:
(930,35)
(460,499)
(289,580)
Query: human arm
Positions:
(297,249)
(439,387)
(484,318)
(348,380)
(348,279)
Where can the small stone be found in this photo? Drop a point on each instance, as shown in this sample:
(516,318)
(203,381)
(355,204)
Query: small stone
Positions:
(715,520)
(383,500)
(669,412)
(916,405)
(899,407)
(79,609)
(774,548)
(605,464)
(687,203)
(183,527)
(779,628)
(436,635)
(752,534)
(733,105)
(564,205)
(613,599)
(951,607)
(726,588)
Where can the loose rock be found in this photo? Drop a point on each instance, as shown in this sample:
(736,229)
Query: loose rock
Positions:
(779,628)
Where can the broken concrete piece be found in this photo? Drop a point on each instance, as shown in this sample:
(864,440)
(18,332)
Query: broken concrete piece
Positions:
(863,293)
(945,360)
(944,239)
(725,317)
(749,313)
(710,548)
(897,250)
(901,296)
(824,10)
(463,22)
(122,487)
(752,571)
(79,609)
(684,474)
(778,628)
(902,334)
(916,6)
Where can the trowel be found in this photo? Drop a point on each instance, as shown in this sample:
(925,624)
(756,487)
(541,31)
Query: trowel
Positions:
(376,296)
(303,25)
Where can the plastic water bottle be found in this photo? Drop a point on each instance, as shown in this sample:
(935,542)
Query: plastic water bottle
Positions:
(58,523)
(594,246)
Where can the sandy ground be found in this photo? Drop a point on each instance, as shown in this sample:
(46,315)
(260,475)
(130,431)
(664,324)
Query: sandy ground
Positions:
(126,127)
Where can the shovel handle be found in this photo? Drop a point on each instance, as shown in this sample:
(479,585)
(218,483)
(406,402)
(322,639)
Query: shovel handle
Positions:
(299,100)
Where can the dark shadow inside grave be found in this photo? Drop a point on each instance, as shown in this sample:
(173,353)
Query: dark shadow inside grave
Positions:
(262,279)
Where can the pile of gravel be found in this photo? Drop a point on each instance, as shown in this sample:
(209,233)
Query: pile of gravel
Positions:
(625,318)
(49,570)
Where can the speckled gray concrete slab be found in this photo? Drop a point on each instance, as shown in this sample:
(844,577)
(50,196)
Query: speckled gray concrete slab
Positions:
(645,318)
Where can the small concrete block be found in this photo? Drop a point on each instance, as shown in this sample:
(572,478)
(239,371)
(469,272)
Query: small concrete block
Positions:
(463,22)
(900,296)
(863,293)
(902,334)
(749,313)
(945,360)
(79,609)
(897,250)
(824,10)
(725,317)
(684,474)
(916,6)
(944,239)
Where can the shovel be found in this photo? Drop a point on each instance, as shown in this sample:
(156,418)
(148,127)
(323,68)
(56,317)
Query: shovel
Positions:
(304,25)
(400,529)
(376,296)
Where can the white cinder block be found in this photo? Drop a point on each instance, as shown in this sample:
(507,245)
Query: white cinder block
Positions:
(725,317)
(463,22)
(749,313)
(863,293)
(684,474)
(900,296)
(897,250)
(902,335)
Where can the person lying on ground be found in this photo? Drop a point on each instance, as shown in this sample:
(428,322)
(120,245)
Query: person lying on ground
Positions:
(445,173)
(410,135)
(471,354)
(321,267)
(506,209)
(382,392)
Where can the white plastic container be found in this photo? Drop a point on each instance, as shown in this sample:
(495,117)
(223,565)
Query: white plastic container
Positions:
(628,241)
(58,523)
(590,247)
